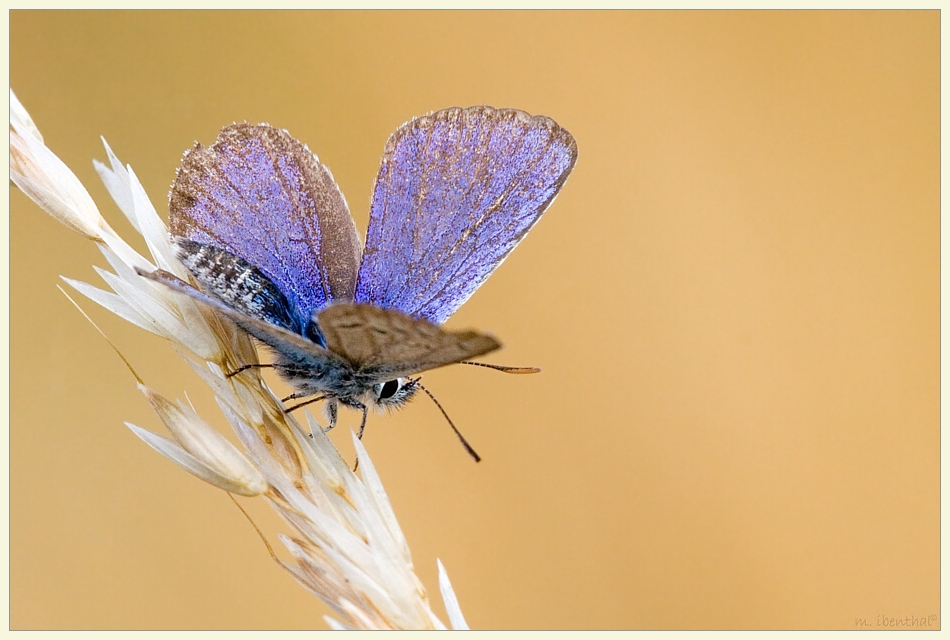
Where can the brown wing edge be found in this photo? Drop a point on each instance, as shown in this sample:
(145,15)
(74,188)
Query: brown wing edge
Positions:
(556,131)
(339,236)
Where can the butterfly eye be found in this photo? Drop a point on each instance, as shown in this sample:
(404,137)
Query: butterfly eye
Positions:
(388,389)
(395,393)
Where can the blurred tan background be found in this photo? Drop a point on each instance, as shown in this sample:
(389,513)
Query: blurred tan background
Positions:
(734,300)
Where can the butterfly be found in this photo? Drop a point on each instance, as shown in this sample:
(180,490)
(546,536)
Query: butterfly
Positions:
(267,235)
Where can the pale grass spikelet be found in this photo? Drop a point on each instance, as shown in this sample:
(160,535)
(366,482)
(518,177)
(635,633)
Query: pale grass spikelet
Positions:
(346,547)
(48,182)
(456,619)
(200,449)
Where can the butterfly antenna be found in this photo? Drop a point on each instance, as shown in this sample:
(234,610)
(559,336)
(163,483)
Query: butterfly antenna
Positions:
(304,404)
(498,367)
(465,443)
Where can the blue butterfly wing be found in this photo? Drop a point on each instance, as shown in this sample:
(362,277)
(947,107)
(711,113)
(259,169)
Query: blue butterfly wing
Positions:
(261,195)
(457,190)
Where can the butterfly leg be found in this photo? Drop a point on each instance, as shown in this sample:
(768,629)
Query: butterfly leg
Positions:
(359,436)
(246,367)
(331,414)
(302,404)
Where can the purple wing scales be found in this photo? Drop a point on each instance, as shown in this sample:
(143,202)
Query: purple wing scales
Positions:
(263,196)
(457,190)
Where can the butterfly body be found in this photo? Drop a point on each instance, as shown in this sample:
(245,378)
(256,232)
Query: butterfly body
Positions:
(261,225)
